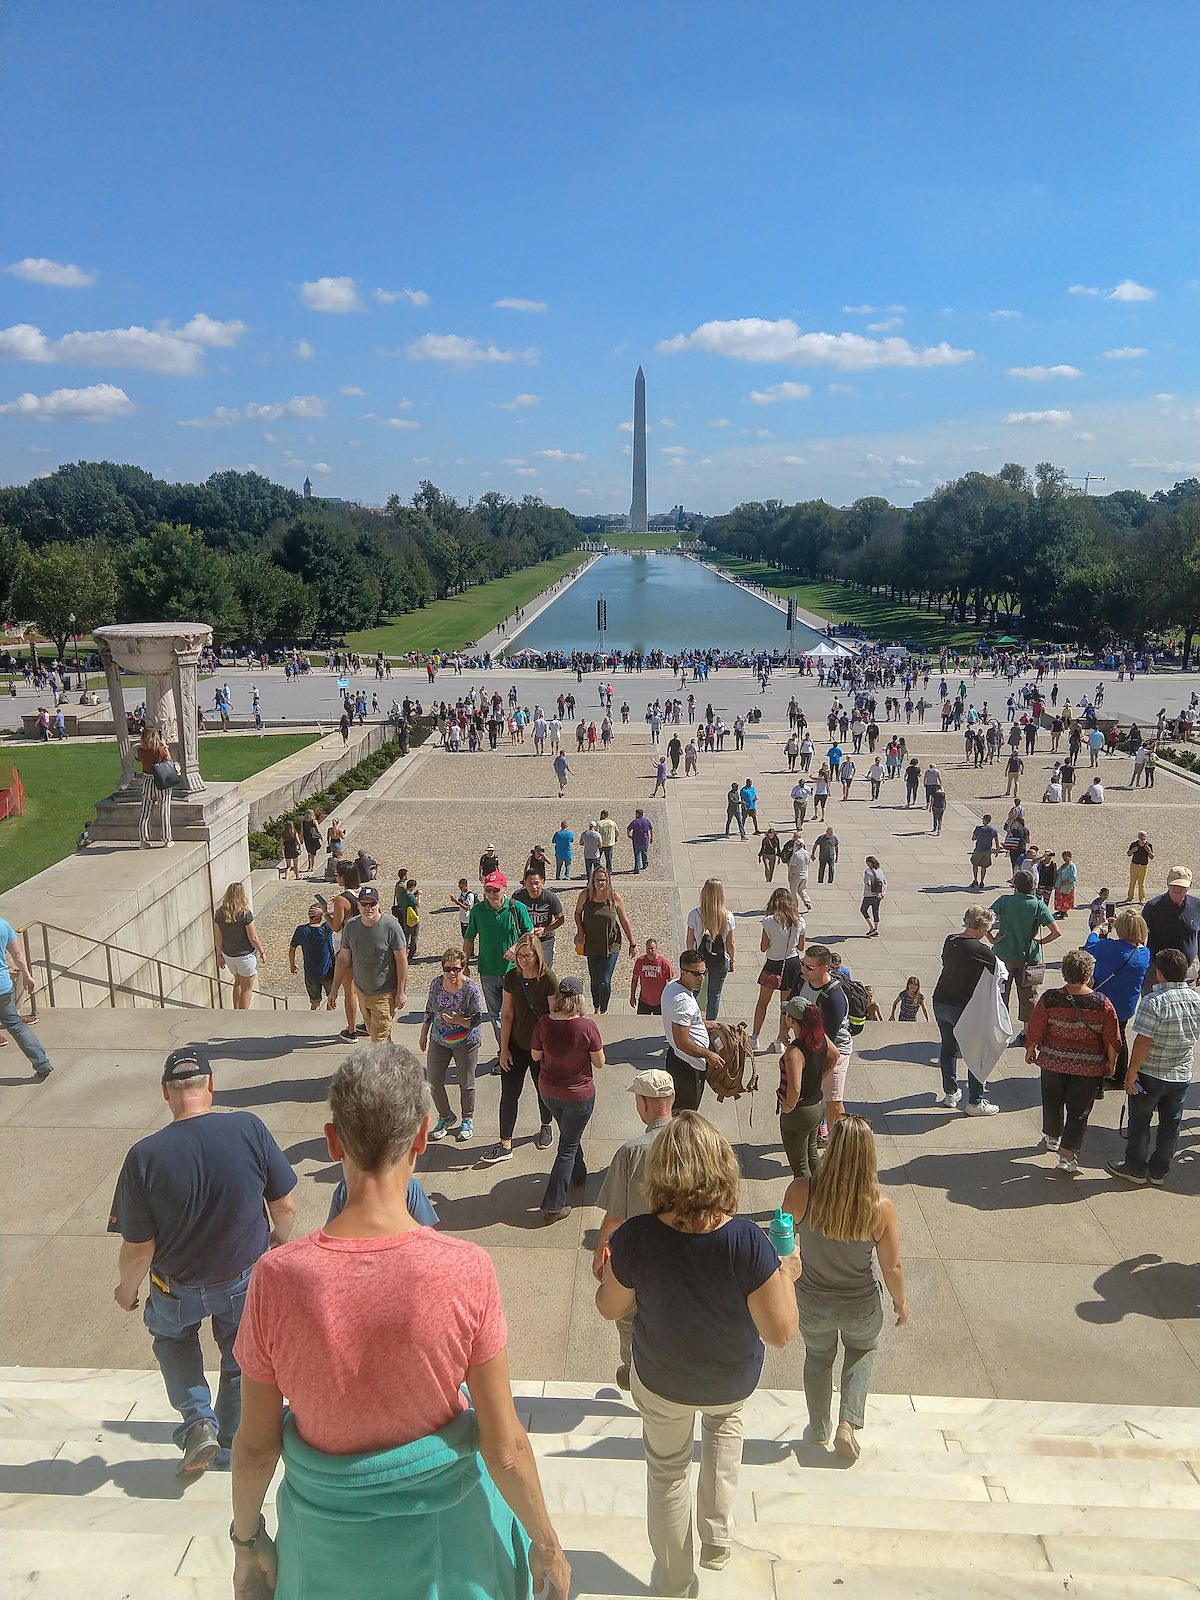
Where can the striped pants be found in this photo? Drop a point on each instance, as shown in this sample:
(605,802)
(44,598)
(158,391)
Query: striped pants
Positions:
(154,798)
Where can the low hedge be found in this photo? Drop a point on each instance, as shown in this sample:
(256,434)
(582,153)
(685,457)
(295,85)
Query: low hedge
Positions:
(1189,760)
(264,843)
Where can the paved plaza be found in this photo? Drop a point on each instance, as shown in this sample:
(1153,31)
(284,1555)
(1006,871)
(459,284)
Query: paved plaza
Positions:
(1023,1285)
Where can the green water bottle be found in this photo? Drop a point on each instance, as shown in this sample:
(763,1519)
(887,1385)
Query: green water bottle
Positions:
(782,1233)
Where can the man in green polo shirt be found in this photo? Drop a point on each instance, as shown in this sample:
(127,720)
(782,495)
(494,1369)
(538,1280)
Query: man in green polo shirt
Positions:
(1014,937)
(497,922)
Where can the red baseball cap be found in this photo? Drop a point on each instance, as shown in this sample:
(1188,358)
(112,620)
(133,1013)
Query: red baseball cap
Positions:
(495,880)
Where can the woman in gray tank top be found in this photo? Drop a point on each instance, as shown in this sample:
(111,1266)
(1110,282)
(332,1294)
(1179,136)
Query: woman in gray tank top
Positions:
(848,1239)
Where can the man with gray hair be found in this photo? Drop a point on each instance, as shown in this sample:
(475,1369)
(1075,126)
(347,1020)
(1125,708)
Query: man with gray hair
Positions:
(622,1194)
(189,1207)
(964,956)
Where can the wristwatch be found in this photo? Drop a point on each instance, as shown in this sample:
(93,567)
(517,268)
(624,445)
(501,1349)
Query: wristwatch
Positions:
(248,1544)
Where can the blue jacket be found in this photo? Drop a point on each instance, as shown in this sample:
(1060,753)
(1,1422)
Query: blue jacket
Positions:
(1120,968)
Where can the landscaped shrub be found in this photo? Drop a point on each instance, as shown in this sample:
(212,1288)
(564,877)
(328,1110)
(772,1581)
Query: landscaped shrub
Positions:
(1189,760)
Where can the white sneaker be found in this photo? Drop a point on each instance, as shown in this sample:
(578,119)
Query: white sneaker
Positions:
(1068,1167)
(981,1108)
(951,1099)
(1050,1144)
(754,1043)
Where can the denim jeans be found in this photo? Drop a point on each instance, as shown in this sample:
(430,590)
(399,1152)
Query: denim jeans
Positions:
(569,1166)
(1167,1099)
(174,1321)
(590,863)
(600,971)
(562,867)
(606,850)
(641,859)
(27,1041)
(715,982)
(859,1326)
(492,984)
(946,1016)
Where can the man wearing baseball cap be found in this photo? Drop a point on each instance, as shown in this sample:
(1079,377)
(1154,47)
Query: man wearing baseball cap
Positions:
(1173,923)
(374,957)
(622,1195)
(496,923)
(189,1207)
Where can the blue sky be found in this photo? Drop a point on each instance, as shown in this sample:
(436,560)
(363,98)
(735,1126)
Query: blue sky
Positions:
(858,249)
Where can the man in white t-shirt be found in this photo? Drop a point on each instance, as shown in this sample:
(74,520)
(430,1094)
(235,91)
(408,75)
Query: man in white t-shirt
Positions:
(798,862)
(801,795)
(689,1050)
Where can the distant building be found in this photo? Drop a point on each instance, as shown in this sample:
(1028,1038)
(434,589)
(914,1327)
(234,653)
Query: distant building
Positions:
(308,488)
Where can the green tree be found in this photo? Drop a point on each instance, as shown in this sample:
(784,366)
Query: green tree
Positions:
(321,554)
(170,576)
(12,556)
(67,589)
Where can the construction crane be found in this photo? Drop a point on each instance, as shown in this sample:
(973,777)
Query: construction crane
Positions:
(1087,479)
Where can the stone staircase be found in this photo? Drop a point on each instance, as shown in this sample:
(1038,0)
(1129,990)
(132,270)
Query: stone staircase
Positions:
(953,1498)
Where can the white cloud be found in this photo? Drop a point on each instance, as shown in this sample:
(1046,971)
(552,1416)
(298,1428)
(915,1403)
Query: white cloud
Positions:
(759,339)
(518,402)
(560,455)
(414,297)
(1003,314)
(843,388)
(351,388)
(407,423)
(873,311)
(336,295)
(515,303)
(779,391)
(665,422)
(526,472)
(458,351)
(1127,289)
(1055,419)
(674,450)
(1125,352)
(720,422)
(422,461)
(222,417)
(322,467)
(872,460)
(906,461)
(304,350)
(403,404)
(763,433)
(54,274)
(102,402)
(162,349)
(1044,374)
(300,405)
(512,461)
(1086,438)
(795,461)
(885,325)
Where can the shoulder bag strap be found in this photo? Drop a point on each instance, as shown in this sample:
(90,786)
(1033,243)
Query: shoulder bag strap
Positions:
(1117,970)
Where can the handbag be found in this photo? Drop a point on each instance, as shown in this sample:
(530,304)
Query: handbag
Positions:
(167,775)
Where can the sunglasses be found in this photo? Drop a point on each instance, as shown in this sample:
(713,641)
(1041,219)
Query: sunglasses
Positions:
(691,972)
(451,969)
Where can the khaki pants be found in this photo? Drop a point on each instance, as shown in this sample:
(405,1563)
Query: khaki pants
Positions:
(668,1434)
(378,1012)
(1137,884)
(625,1336)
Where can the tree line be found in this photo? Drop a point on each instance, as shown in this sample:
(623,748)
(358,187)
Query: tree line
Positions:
(98,542)
(1016,549)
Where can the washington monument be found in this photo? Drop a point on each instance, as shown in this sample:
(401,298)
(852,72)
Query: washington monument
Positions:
(637,511)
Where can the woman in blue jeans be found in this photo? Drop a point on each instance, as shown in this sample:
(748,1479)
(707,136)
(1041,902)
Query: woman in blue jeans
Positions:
(600,920)
(710,929)
(847,1237)
(567,1049)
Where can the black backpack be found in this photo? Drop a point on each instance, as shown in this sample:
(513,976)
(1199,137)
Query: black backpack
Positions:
(856,999)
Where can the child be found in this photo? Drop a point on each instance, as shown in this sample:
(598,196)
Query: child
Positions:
(873,1012)
(463,900)
(1101,914)
(910,1002)
(651,974)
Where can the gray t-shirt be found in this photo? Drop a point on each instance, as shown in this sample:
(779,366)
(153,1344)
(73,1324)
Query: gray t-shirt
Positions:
(372,953)
(589,839)
(621,1193)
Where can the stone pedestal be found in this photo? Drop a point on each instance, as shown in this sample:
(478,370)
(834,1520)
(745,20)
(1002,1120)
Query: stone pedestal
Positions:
(167,654)
(194,817)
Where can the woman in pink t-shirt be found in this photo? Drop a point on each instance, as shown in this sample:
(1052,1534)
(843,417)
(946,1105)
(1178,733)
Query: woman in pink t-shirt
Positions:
(370,1326)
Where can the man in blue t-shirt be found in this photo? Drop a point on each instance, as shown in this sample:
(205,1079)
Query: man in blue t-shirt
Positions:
(314,940)
(564,848)
(10,1019)
(189,1207)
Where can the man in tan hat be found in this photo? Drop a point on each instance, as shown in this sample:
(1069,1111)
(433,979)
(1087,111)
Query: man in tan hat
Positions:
(1173,923)
(621,1194)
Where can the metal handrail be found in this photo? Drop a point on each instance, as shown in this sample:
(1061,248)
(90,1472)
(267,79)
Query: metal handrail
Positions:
(216,989)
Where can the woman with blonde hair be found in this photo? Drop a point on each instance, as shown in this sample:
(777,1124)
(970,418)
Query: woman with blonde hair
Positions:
(782,937)
(1122,961)
(710,1290)
(600,920)
(150,751)
(710,930)
(846,1236)
(238,946)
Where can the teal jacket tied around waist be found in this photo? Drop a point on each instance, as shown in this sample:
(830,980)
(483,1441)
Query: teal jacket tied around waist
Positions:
(421,1522)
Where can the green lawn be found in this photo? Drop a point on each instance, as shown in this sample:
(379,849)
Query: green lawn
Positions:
(64,782)
(889,620)
(450,624)
(642,541)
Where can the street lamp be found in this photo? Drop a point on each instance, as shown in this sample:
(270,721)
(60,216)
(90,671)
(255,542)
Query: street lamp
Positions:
(75,636)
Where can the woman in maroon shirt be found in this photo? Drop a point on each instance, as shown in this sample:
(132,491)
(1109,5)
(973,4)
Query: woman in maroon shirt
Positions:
(1073,1036)
(567,1048)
